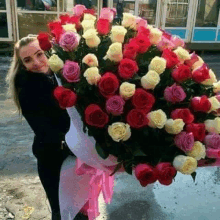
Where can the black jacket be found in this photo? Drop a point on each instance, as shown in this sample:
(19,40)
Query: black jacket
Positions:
(49,122)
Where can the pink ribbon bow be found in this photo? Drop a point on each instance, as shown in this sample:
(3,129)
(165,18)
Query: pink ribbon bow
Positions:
(100,180)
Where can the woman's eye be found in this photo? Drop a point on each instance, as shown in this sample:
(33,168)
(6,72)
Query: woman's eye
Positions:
(27,60)
(39,54)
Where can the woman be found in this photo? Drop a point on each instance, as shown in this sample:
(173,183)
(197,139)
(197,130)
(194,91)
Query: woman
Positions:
(31,84)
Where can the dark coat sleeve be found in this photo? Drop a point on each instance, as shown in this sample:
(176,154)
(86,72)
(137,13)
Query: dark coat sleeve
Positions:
(49,122)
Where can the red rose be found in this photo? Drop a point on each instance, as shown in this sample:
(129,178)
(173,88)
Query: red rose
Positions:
(170,57)
(57,33)
(184,114)
(166,173)
(143,100)
(201,104)
(75,20)
(146,174)
(198,130)
(64,19)
(54,25)
(167,35)
(65,97)
(94,116)
(108,84)
(143,42)
(103,26)
(201,74)
(144,31)
(127,68)
(130,50)
(181,73)
(136,118)
(89,11)
(44,42)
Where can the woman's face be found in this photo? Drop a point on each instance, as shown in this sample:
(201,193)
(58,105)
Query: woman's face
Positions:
(33,58)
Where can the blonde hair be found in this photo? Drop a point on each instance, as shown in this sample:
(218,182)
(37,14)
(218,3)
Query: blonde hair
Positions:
(15,67)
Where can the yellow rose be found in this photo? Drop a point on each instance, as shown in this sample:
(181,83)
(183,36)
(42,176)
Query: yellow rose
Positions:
(70,27)
(185,164)
(89,17)
(215,104)
(92,75)
(127,90)
(114,52)
(87,24)
(55,63)
(213,125)
(90,60)
(197,64)
(155,35)
(129,21)
(174,126)
(211,80)
(118,34)
(198,151)
(119,131)
(158,64)
(150,80)
(157,119)
(182,54)
(216,87)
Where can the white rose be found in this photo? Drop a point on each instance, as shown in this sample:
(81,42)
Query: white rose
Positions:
(114,52)
(215,104)
(90,60)
(157,119)
(216,87)
(211,80)
(182,54)
(89,17)
(127,90)
(118,34)
(185,164)
(119,131)
(150,80)
(155,35)
(198,151)
(158,64)
(129,21)
(87,24)
(55,63)
(70,27)
(92,75)
(174,126)
(213,125)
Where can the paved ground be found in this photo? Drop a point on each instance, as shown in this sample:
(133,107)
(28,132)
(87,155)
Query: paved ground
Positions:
(22,196)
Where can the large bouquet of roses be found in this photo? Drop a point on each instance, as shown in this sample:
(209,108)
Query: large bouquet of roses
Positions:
(144,98)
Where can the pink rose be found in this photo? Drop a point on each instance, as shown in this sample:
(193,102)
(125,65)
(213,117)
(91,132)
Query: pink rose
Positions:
(78,10)
(115,105)
(212,140)
(107,13)
(71,71)
(213,153)
(178,42)
(174,93)
(140,22)
(194,58)
(69,41)
(165,43)
(184,141)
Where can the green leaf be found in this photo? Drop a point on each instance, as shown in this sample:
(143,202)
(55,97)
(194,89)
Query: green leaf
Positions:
(193,175)
(139,153)
(128,167)
(103,154)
